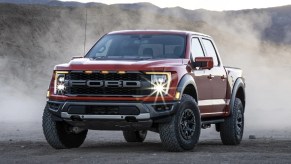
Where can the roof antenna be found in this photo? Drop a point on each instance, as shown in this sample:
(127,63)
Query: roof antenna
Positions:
(85,33)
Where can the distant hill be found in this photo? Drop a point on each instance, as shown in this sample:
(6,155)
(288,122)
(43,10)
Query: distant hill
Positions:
(278,28)
(25,1)
(49,3)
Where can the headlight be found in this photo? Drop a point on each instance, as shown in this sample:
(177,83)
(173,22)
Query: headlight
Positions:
(59,87)
(161,82)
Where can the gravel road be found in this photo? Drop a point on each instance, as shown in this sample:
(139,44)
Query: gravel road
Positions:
(25,143)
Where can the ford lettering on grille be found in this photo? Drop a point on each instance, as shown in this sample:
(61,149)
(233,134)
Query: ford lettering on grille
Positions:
(105,83)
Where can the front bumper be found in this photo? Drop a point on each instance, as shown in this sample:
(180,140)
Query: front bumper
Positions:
(112,115)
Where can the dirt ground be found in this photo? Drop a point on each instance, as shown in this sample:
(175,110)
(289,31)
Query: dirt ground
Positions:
(25,143)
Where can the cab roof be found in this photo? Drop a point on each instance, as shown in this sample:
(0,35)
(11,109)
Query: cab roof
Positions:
(181,32)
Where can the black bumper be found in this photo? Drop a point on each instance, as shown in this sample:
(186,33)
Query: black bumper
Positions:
(111,115)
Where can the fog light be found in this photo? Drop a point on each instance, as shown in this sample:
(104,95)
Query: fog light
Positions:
(162,108)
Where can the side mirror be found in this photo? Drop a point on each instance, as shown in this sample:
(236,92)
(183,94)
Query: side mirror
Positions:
(77,57)
(203,63)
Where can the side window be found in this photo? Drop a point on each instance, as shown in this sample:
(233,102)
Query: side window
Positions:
(196,48)
(210,51)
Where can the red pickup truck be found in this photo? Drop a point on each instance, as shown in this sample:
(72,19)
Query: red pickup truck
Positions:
(169,82)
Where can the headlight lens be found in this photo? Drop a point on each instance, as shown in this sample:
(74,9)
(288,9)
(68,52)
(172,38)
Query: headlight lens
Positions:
(161,82)
(59,88)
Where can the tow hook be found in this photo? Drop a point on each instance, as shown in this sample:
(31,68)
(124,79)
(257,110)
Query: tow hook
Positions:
(76,118)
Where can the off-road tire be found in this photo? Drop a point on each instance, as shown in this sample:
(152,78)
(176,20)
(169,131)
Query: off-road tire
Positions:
(231,130)
(134,136)
(173,133)
(58,135)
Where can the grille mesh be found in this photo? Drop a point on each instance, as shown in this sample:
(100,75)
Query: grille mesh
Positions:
(84,90)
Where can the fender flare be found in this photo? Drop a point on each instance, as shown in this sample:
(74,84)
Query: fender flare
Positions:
(186,80)
(239,83)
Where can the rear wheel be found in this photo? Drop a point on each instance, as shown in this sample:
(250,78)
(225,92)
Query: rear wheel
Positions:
(183,131)
(135,136)
(231,130)
(59,134)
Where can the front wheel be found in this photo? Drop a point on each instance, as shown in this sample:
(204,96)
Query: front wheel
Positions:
(59,134)
(183,131)
(231,130)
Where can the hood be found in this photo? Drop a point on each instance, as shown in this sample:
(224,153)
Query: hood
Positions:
(124,65)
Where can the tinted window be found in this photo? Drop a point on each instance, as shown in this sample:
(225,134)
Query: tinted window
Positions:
(135,46)
(196,48)
(210,51)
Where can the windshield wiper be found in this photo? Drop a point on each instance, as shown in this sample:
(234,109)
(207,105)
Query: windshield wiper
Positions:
(145,57)
(138,57)
(123,57)
(98,57)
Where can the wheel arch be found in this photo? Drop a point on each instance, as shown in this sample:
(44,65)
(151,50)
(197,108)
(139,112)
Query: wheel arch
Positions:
(188,86)
(238,91)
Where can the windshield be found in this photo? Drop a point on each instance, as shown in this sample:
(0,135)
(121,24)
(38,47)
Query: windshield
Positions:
(135,46)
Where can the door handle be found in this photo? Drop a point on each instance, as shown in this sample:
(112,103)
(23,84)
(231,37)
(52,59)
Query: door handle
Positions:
(223,77)
(210,76)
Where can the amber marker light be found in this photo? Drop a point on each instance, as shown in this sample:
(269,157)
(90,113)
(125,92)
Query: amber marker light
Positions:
(104,72)
(48,94)
(88,72)
(177,96)
(121,72)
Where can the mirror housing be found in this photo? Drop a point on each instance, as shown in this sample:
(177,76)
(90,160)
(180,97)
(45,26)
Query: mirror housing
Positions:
(76,57)
(203,63)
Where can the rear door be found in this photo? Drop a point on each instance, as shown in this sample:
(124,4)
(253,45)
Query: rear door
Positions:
(217,77)
(201,78)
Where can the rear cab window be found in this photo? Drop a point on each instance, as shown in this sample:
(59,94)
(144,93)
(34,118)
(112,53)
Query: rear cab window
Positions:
(210,50)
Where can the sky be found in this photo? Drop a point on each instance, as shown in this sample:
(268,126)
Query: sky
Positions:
(217,5)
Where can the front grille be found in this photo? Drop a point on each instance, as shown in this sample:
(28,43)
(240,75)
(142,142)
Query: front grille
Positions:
(84,90)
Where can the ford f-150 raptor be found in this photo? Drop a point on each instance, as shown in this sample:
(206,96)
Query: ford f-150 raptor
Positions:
(169,82)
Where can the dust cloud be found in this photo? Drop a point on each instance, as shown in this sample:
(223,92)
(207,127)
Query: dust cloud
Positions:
(266,67)
(35,38)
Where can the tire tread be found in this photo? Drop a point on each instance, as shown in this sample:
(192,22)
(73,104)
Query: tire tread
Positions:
(55,135)
(228,127)
(168,131)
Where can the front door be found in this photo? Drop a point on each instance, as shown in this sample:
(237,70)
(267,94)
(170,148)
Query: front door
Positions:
(218,82)
(204,88)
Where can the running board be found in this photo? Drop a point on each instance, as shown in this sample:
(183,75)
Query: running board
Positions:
(206,122)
